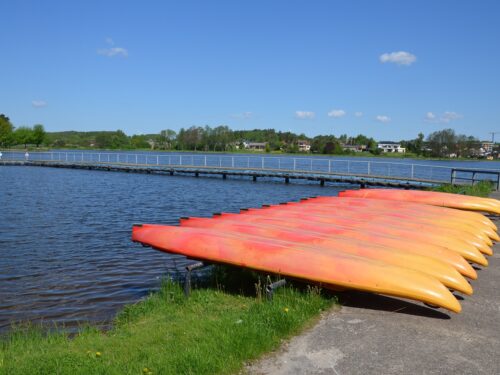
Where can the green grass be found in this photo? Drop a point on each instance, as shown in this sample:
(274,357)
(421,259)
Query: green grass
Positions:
(481,189)
(211,332)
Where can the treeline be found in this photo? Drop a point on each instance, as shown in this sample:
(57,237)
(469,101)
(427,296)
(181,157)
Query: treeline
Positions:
(194,138)
(443,143)
(222,138)
(98,139)
(37,136)
(22,135)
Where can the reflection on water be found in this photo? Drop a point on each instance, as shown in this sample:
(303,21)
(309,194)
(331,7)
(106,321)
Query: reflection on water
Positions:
(65,250)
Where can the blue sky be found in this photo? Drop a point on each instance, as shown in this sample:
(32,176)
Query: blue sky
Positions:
(387,69)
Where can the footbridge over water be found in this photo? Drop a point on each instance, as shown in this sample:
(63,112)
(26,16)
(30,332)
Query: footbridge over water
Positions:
(286,168)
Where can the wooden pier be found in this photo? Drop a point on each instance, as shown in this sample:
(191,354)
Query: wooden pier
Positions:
(253,173)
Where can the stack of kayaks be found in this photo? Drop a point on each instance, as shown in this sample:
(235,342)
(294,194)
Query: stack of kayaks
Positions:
(402,243)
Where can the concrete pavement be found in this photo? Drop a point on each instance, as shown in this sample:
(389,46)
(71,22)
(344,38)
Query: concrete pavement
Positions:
(373,334)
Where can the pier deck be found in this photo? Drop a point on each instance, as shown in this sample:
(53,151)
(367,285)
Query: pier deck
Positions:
(224,172)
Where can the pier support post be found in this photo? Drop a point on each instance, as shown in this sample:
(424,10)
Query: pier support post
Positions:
(171,173)
(187,278)
(196,174)
(254,178)
(322,182)
(287,180)
(271,287)
(224,176)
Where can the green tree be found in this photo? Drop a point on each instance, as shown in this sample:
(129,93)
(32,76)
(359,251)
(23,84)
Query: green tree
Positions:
(191,139)
(442,142)
(419,143)
(103,140)
(119,140)
(24,135)
(372,146)
(333,148)
(223,136)
(139,141)
(38,134)
(467,146)
(167,138)
(326,144)
(361,140)
(415,145)
(114,140)
(6,131)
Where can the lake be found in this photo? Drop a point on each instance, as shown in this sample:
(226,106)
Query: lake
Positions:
(65,252)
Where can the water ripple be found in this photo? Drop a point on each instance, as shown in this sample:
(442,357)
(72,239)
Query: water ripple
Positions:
(65,252)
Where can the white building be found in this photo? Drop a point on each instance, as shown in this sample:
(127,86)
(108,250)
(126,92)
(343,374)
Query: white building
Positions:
(487,147)
(304,146)
(388,146)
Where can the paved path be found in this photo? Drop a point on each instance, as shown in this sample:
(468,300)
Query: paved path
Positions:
(373,334)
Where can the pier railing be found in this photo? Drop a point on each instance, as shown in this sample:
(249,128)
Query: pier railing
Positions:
(468,176)
(312,165)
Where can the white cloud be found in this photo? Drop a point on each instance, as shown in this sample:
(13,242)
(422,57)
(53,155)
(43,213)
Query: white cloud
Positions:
(243,115)
(429,116)
(112,50)
(358,114)
(399,58)
(383,119)
(450,116)
(337,113)
(304,115)
(444,118)
(39,103)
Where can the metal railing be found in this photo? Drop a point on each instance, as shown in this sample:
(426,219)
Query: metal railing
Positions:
(469,176)
(368,168)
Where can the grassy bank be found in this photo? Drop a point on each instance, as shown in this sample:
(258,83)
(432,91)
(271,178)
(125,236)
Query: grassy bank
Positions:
(481,189)
(211,332)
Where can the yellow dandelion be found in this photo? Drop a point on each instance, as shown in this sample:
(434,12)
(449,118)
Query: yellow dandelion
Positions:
(285,309)
(145,370)
(97,354)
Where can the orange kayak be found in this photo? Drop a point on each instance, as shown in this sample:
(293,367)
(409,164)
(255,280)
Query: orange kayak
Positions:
(442,271)
(405,220)
(285,228)
(476,219)
(469,216)
(417,212)
(368,233)
(393,227)
(464,202)
(297,261)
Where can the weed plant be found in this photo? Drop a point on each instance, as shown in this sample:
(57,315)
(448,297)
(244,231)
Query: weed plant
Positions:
(481,189)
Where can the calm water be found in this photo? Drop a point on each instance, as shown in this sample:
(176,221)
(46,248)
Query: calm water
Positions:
(65,250)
